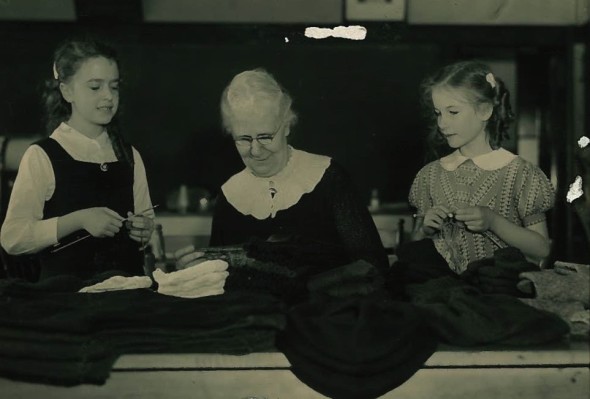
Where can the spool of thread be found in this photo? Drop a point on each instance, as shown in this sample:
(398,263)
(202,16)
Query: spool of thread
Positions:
(182,204)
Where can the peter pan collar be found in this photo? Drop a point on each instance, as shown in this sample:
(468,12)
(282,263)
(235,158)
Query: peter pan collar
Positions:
(492,160)
(252,195)
(70,134)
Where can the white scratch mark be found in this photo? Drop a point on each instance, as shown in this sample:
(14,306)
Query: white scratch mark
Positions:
(355,32)
(286,40)
(575,190)
(583,142)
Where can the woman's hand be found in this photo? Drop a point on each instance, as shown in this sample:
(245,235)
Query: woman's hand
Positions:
(101,221)
(434,218)
(187,257)
(476,218)
(140,227)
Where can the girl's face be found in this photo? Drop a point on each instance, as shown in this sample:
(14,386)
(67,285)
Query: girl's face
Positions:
(264,159)
(93,92)
(461,122)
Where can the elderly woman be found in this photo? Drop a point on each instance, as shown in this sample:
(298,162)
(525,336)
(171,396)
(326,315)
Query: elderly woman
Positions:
(283,191)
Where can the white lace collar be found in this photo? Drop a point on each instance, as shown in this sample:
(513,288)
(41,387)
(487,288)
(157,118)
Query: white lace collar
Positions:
(492,160)
(252,195)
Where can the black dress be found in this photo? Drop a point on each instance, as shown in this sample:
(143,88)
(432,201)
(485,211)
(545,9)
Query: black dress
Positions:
(80,185)
(332,214)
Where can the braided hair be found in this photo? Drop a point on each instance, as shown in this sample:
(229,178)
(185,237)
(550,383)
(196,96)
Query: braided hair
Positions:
(480,86)
(67,59)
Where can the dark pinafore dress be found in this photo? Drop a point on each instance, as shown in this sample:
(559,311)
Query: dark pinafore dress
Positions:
(81,185)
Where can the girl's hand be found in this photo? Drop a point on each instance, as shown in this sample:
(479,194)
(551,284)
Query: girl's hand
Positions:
(476,218)
(434,218)
(140,227)
(101,221)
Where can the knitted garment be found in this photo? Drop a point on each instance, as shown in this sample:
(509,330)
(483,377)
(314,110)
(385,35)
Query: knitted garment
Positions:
(560,284)
(51,334)
(518,191)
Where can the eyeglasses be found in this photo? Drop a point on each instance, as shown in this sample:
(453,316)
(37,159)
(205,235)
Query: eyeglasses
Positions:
(262,139)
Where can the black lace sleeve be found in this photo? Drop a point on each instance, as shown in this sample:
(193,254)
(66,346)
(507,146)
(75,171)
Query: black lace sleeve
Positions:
(353,221)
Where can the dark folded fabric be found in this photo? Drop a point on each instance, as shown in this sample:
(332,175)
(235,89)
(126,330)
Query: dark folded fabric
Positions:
(350,289)
(358,278)
(480,306)
(493,285)
(464,316)
(435,290)
(499,274)
(287,288)
(336,385)
(71,338)
(358,271)
(499,281)
(355,347)
(57,372)
(418,262)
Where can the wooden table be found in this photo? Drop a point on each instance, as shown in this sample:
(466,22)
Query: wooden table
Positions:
(560,372)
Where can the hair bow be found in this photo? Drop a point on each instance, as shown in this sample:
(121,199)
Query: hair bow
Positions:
(55,75)
(490,79)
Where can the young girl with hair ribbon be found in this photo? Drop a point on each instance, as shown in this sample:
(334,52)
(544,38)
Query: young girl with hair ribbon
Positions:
(84,179)
(480,197)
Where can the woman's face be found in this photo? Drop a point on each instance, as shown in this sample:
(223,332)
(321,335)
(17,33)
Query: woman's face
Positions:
(261,140)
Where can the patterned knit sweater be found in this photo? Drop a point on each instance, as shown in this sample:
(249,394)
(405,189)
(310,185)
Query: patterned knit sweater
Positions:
(500,180)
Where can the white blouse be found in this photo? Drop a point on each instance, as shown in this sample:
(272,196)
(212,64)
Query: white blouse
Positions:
(24,231)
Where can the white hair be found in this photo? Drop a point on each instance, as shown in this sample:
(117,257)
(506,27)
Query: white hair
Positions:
(254,92)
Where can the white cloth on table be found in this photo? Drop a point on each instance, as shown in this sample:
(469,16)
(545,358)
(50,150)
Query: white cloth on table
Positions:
(117,283)
(204,279)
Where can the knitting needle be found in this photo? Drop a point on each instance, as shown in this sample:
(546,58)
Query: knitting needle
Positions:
(90,235)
